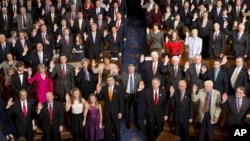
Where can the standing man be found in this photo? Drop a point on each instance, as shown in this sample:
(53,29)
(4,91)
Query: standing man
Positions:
(130,83)
(64,74)
(209,108)
(183,111)
(113,97)
(23,111)
(24,20)
(52,117)
(156,108)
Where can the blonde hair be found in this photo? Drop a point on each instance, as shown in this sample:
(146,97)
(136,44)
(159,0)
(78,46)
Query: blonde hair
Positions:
(93,95)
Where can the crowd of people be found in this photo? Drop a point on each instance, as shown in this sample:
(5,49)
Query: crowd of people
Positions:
(38,90)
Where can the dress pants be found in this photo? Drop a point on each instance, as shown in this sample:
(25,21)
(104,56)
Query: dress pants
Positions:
(206,124)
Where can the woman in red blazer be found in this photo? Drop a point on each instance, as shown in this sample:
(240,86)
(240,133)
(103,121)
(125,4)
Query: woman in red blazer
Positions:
(174,45)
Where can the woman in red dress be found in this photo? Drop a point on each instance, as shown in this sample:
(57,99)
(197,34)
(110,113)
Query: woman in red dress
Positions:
(174,44)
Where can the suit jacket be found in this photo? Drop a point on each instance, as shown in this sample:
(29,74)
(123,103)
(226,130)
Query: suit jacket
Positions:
(239,47)
(234,14)
(49,36)
(235,117)
(204,31)
(8,48)
(115,46)
(194,79)
(183,110)
(112,14)
(18,49)
(103,26)
(217,44)
(5,28)
(29,22)
(48,20)
(116,105)
(146,71)
(23,124)
(94,48)
(123,7)
(66,49)
(179,27)
(122,30)
(125,79)
(214,14)
(57,117)
(155,112)
(215,100)
(173,80)
(65,84)
(17,86)
(221,83)
(84,28)
(33,12)
(34,60)
(93,12)
(186,18)
(79,5)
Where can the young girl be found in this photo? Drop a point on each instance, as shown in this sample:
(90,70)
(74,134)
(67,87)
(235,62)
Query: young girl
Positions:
(93,118)
(78,49)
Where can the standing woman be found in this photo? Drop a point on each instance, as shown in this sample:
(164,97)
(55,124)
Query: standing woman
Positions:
(155,16)
(174,45)
(76,103)
(156,40)
(43,82)
(78,50)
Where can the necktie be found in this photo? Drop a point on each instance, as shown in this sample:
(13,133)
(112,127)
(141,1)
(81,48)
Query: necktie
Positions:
(154,68)
(72,16)
(80,24)
(97,11)
(115,12)
(181,96)
(237,11)
(175,71)
(67,41)
(52,18)
(197,70)
(40,57)
(5,22)
(206,105)
(59,6)
(50,114)
(234,77)
(86,75)
(218,11)
(44,38)
(3,46)
(118,25)
(186,12)
(215,74)
(47,9)
(239,36)
(238,105)
(215,36)
(110,93)
(155,98)
(63,71)
(99,24)
(201,15)
(93,35)
(24,110)
(24,22)
(131,85)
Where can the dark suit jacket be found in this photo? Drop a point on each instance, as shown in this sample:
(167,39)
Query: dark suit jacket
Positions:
(33,58)
(146,72)
(123,7)
(194,79)
(122,30)
(5,28)
(94,14)
(33,12)
(18,50)
(38,39)
(23,124)
(239,47)
(65,84)
(16,84)
(179,27)
(8,48)
(154,112)
(217,46)
(94,48)
(84,28)
(116,105)
(169,71)
(48,20)
(86,87)
(66,49)
(234,14)
(221,83)
(111,13)
(214,15)
(57,120)
(104,26)
(115,46)
(186,19)
(125,79)
(235,117)
(183,110)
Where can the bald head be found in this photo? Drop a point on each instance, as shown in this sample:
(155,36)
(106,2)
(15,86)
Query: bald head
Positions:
(49,97)
(182,85)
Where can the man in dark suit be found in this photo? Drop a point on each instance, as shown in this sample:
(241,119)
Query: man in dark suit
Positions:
(216,11)
(94,43)
(217,75)
(6,47)
(80,25)
(64,74)
(115,42)
(85,79)
(151,69)
(23,112)
(39,57)
(101,24)
(5,22)
(58,30)
(96,10)
(32,10)
(177,24)
(236,11)
(237,75)
(123,7)
(59,5)
(51,19)
(239,108)
(113,11)
(66,43)
(19,80)
(186,14)
(193,72)
(113,96)
(183,109)
(174,72)
(71,15)
(121,26)
(156,108)
(130,83)
(240,40)
(51,114)
(217,41)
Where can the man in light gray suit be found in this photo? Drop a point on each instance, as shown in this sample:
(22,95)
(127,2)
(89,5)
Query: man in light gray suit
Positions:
(130,82)
(24,20)
(64,74)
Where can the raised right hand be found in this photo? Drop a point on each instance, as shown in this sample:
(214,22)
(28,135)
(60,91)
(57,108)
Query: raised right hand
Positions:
(142,58)
(39,106)
(186,65)
(195,88)
(171,90)
(224,97)
(52,64)
(10,102)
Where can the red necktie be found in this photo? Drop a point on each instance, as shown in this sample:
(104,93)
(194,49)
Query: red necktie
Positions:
(72,16)
(155,98)
(24,22)
(24,110)
(206,105)
(63,71)
(118,25)
(238,105)
(181,97)
(215,36)
(50,114)
(175,71)
(67,41)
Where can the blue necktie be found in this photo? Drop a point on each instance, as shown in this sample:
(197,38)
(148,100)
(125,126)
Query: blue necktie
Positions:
(86,75)
(131,84)
(215,74)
